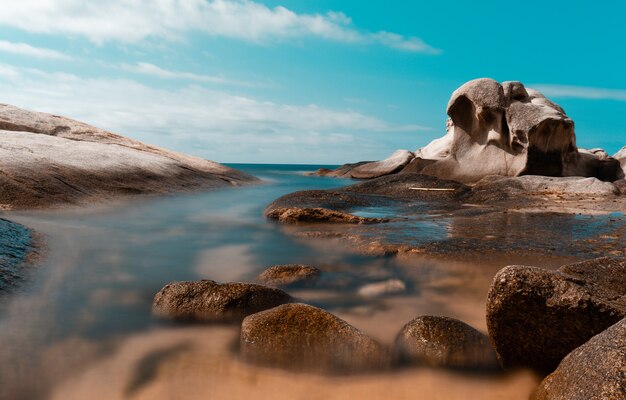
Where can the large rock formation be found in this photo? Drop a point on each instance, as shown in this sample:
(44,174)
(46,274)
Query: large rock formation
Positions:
(208,301)
(536,317)
(51,160)
(303,337)
(500,129)
(594,371)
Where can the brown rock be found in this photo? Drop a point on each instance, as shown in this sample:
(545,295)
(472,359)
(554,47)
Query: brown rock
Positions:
(208,301)
(318,214)
(444,342)
(302,337)
(594,371)
(536,317)
(289,275)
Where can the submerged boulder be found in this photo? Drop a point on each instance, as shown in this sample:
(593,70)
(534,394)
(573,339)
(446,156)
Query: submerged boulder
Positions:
(208,301)
(536,317)
(594,371)
(444,342)
(303,337)
(289,275)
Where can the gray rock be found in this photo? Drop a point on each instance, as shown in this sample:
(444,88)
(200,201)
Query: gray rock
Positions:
(50,160)
(536,317)
(302,337)
(594,371)
(208,301)
(444,342)
(394,163)
(621,157)
(289,275)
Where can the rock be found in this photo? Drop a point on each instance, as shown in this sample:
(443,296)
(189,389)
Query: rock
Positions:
(289,275)
(394,163)
(49,160)
(444,342)
(302,337)
(594,371)
(621,157)
(389,286)
(208,301)
(17,248)
(341,172)
(296,214)
(536,317)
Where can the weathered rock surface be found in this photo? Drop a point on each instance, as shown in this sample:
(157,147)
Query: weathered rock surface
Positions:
(208,301)
(594,371)
(49,160)
(444,342)
(500,129)
(536,317)
(303,337)
(389,286)
(394,163)
(294,215)
(289,275)
(621,157)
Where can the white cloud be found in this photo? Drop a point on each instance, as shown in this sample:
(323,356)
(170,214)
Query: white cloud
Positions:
(214,124)
(135,20)
(154,70)
(28,50)
(581,92)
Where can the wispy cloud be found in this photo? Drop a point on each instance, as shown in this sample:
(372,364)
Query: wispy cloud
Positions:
(580,92)
(135,20)
(154,70)
(217,124)
(28,50)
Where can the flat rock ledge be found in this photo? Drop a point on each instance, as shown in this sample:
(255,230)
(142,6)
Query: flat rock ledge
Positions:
(536,317)
(290,275)
(208,301)
(52,161)
(305,338)
(594,371)
(438,341)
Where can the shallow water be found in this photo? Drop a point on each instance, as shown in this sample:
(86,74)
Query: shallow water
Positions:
(81,328)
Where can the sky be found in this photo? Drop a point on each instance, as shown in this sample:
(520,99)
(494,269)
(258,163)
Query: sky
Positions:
(306,81)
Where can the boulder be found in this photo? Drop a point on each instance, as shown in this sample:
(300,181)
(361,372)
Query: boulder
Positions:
(536,317)
(621,157)
(208,301)
(394,163)
(289,275)
(390,286)
(444,342)
(294,215)
(594,371)
(48,160)
(303,337)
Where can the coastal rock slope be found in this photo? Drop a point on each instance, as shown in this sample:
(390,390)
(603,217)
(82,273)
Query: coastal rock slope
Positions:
(497,129)
(49,160)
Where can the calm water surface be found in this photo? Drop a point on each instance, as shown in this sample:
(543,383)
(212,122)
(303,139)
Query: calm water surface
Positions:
(81,328)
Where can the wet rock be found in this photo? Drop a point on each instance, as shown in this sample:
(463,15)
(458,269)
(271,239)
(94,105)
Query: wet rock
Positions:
(48,160)
(536,317)
(594,371)
(302,337)
(289,275)
(444,342)
(389,286)
(394,163)
(208,301)
(296,214)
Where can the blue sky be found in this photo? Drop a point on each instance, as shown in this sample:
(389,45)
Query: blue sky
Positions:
(297,81)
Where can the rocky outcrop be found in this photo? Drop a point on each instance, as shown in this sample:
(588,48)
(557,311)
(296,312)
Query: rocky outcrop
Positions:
(536,317)
(208,301)
(444,342)
(594,371)
(621,157)
(294,215)
(48,160)
(289,275)
(303,337)
(500,129)
(394,163)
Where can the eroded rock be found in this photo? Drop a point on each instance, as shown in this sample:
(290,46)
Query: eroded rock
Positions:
(297,214)
(289,275)
(394,163)
(536,317)
(444,342)
(303,337)
(594,371)
(208,301)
